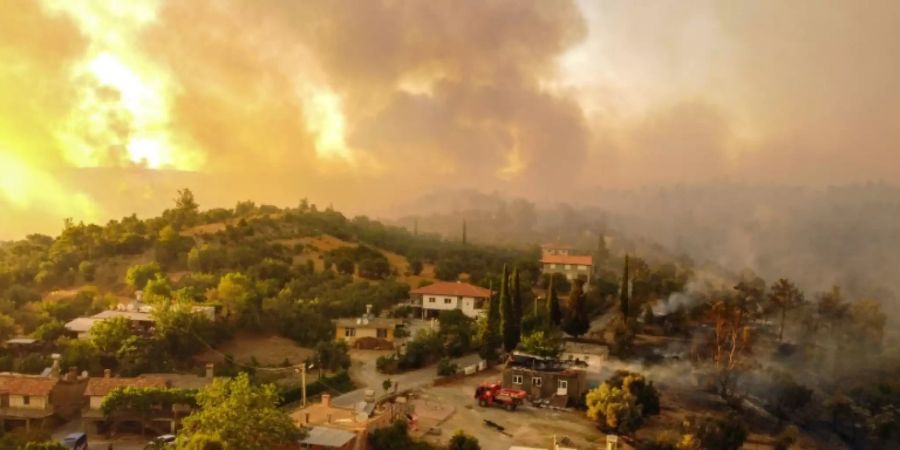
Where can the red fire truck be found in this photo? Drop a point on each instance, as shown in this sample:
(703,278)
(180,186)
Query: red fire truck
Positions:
(492,394)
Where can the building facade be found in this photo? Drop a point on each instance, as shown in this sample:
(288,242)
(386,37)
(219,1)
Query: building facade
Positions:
(26,401)
(447,296)
(545,379)
(94,422)
(571,266)
(366,331)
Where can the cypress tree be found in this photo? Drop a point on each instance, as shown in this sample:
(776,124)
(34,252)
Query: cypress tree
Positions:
(490,340)
(517,306)
(553,310)
(577,322)
(464,232)
(507,315)
(623,293)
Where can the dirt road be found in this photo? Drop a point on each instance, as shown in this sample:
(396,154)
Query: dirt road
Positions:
(364,373)
(527,426)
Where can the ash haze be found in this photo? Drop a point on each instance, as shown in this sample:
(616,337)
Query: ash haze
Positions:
(107,107)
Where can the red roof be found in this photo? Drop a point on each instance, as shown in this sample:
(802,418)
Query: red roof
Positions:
(458,289)
(568,259)
(27,385)
(99,387)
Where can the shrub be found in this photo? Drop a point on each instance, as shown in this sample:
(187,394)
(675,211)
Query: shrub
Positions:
(446,367)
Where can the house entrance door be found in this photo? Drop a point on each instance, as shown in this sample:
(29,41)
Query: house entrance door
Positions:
(563,387)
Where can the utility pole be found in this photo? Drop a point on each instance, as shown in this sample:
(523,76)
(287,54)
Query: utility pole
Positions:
(303,385)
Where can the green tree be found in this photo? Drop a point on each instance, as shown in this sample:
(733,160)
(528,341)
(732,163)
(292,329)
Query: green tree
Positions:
(784,296)
(243,416)
(463,441)
(490,337)
(455,332)
(577,321)
(726,433)
(507,315)
(138,276)
(7,327)
(238,294)
(415,267)
(624,291)
(79,354)
(554,312)
(181,331)
(517,307)
(186,211)
(547,344)
(614,409)
(464,232)
(333,355)
(201,441)
(788,396)
(110,335)
(87,269)
(642,389)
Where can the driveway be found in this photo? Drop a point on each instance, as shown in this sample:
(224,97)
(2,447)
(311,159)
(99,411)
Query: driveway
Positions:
(364,373)
(526,426)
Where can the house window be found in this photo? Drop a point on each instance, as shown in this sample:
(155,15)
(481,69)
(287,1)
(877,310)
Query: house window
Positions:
(26,400)
(563,384)
(447,301)
(537,381)
(430,299)
(349,332)
(552,266)
(382,333)
(517,379)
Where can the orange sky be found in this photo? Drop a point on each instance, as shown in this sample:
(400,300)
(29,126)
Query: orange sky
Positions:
(107,107)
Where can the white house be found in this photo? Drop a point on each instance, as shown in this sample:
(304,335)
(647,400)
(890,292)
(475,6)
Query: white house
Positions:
(446,296)
(572,266)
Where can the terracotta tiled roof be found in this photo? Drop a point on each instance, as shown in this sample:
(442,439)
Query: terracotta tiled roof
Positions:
(27,385)
(453,288)
(98,387)
(568,259)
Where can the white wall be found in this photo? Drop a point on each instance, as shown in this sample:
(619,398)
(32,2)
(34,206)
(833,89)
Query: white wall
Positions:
(34,402)
(447,303)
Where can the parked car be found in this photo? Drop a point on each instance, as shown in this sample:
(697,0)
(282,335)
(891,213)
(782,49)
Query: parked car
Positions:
(161,442)
(76,441)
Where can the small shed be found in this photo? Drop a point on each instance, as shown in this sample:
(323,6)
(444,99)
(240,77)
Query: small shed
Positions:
(325,438)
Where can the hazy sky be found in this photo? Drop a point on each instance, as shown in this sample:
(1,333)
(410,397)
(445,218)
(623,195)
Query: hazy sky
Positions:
(108,107)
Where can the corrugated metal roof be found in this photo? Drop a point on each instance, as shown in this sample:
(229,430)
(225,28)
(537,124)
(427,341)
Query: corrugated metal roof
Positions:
(81,324)
(328,437)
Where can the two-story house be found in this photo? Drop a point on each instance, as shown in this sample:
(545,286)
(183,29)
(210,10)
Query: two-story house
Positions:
(26,401)
(367,332)
(448,295)
(93,419)
(572,266)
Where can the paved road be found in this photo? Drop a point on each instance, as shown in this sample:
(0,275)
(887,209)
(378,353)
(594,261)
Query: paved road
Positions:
(364,374)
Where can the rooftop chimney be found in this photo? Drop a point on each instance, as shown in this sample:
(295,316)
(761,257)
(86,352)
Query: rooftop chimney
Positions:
(369,310)
(326,400)
(210,370)
(107,373)
(54,369)
(612,442)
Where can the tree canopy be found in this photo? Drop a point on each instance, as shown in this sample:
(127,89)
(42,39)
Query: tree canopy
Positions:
(241,415)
